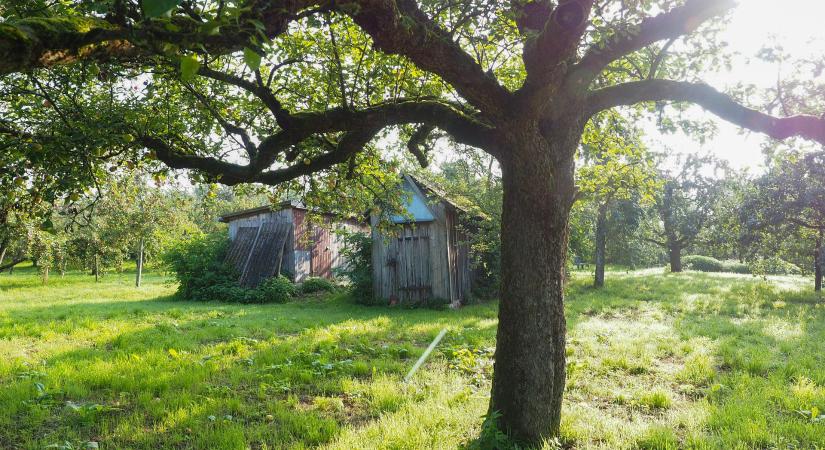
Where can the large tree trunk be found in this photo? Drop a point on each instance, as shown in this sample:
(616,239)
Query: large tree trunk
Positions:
(601,244)
(529,372)
(818,260)
(675,253)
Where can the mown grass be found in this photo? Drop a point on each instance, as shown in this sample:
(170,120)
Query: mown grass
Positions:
(655,361)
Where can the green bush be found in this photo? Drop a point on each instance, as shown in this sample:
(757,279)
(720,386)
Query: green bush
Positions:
(702,263)
(708,264)
(774,266)
(736,267)
(198,266)
(276,290)
(358,251)
(316,284)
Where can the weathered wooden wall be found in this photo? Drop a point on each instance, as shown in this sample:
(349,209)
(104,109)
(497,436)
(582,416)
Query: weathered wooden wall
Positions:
(310,249)
(423,260)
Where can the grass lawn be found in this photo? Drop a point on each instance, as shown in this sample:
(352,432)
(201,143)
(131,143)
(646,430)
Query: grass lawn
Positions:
(655,361)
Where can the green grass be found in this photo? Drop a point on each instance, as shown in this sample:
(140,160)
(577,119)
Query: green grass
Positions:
(655,361)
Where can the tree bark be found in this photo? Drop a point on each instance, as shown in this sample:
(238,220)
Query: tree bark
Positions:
(97,268)
(818,260)
(529,371)
(601,244)
(139,275)
(675,252)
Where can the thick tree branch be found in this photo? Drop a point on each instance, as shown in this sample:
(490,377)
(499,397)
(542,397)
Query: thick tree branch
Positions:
(228,173)
(417,145)
(463,127)
(357,126)
(12,264)
(9,130)
(400,27)
(808,127)
(557,41)
(352,143)
(47,41)
(804,224)
(677,22)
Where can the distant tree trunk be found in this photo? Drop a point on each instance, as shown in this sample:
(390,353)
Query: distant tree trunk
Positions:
(139,275)
(675,253)
(45,275)
(601,244)
(97,268)
(529,371)
(818,260)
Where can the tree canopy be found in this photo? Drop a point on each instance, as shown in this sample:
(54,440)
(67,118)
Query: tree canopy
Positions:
(302,92)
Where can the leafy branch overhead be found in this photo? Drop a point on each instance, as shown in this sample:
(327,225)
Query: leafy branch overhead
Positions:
(203,39)
(283,92)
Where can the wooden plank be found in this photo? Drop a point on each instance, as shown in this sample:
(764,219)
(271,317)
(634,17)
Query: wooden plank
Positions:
(265,258)
(240,247)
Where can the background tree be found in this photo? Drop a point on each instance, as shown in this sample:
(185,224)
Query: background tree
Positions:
(684,206)
(127,218)
(519,80)
(721,237)
(790,199)
(617,169)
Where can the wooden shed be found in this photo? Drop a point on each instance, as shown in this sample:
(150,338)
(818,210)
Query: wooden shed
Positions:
(269,240)
(428,258)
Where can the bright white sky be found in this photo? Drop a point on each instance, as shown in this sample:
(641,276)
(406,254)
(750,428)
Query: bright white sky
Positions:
(797,25)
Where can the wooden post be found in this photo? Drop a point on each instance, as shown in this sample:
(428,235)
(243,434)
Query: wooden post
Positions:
(139,276)
(818,261)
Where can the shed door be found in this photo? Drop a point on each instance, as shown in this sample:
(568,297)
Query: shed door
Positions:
(321,262)
(412,267)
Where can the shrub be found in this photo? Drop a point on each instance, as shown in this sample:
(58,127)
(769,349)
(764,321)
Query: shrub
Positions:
(316,284)
(199,267)
(774,266)
(708,264)
(736,267)
(702,263)
(276,290)
(358,251)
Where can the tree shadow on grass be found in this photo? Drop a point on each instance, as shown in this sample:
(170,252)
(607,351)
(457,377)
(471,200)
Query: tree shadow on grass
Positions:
(745,352)
(168,373)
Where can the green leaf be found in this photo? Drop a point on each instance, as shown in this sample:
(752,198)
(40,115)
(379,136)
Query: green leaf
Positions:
(252,58)
(189,66)
(156,8)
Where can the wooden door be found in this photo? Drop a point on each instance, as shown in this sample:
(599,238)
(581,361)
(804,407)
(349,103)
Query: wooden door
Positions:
(321,255)
(412,265)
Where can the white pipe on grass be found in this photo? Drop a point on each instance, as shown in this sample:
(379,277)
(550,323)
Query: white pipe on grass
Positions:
(426,354)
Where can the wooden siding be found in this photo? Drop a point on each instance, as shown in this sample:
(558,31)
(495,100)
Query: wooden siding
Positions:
(267,255)
(242,244)
(424,260)
(309,249)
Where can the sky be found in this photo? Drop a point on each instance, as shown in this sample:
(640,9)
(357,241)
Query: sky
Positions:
(797,24)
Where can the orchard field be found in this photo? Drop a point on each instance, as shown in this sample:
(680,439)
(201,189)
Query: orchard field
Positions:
(659,361)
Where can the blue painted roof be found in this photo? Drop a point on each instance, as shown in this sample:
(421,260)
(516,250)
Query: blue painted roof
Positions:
(417,209)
